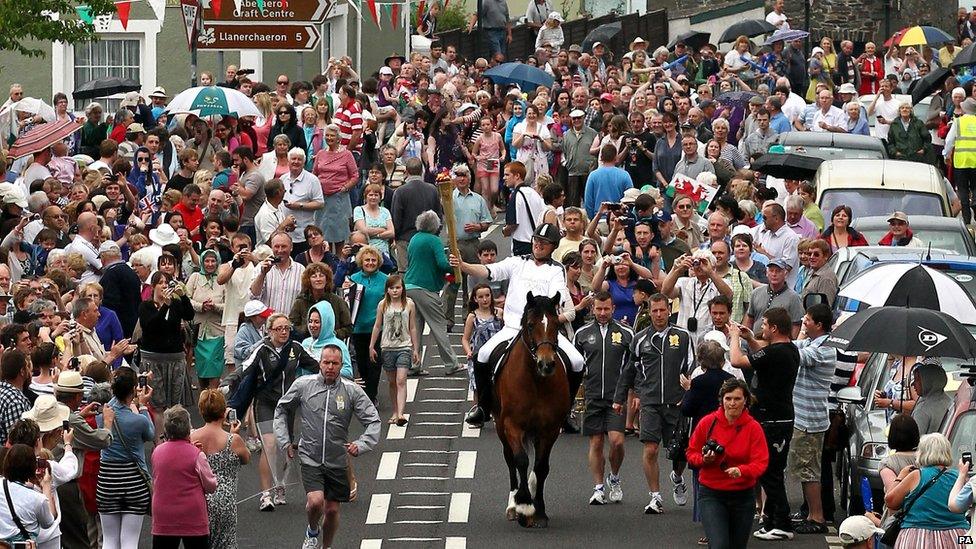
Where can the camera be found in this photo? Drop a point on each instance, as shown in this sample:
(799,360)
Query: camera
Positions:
(354,249)
(244,72)
(143,381)
(616,259)
(696,262)
(276,260)
(692,324)
(615,207)
(712,445)
(231,416)
(967,457)
(171,285)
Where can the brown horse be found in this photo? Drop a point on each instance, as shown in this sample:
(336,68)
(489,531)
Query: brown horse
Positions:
(531,407)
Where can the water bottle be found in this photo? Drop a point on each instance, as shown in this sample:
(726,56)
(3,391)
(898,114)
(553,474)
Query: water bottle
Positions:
(866,495)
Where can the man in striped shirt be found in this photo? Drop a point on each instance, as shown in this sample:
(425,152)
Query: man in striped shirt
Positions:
(349,118)
(812,419)
(278,279)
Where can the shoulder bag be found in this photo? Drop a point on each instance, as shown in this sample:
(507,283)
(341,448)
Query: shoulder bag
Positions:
(13,514)
(891,532)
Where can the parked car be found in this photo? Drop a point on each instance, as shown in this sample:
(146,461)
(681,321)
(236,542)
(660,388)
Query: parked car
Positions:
(831,146)
(880,187)
(947,233)
(868,426)
(920,109)
(960,268)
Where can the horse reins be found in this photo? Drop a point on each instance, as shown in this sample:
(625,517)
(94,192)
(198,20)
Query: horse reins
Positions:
(533,347)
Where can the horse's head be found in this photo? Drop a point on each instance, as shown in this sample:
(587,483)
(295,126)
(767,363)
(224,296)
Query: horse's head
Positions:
(540,331)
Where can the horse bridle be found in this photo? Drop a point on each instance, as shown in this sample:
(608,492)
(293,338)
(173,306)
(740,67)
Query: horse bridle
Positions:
(533,346)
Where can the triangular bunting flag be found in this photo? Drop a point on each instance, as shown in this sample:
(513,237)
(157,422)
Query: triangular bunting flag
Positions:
(395,14)
(159,9)
(371,4)
(84,12)
(284,4)
(123,9)
(215,5)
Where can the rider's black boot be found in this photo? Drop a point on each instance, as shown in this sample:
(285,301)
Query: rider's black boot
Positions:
(479,413)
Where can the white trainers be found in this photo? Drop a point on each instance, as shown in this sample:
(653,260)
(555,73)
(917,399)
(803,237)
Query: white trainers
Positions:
(598,497)
(616,492)
(310,542)
(656,505)
(279,495)
(680,492)
(774,534)
(267,502)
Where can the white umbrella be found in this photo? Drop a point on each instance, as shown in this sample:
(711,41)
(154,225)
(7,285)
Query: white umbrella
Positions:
(29,105)
(912,285)
(205,101)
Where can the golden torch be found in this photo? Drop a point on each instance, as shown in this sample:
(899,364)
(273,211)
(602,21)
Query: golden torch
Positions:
(446,188)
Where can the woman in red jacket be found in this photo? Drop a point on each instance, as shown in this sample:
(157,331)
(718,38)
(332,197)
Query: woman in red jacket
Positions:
(729,450)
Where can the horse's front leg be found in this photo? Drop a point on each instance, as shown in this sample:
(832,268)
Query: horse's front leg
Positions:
(543,450)
(524,507)
(510,513)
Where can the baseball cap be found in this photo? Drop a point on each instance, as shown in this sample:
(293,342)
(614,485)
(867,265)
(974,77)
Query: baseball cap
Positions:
(630,195)
(135,128)
(595,44)
(756,100)
(576,113)
(856,529)
(606,97)
(576,48)
(779,262)
(717,337)
(131,100)
(386,70)
(898,216)
(662,217)
(108,246)
(257,308)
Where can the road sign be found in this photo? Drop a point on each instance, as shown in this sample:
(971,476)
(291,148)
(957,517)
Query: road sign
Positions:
(294,11)
(221,36)
(191,13)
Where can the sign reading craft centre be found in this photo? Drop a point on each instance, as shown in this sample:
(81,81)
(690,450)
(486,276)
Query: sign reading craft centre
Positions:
(282,25)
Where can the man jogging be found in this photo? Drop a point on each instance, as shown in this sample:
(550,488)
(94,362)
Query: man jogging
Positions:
(328,403)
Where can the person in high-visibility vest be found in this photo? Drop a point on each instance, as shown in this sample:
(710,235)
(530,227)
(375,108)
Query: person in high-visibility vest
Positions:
(961,146)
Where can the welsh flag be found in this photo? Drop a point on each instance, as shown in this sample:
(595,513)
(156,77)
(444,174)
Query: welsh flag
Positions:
(684,185)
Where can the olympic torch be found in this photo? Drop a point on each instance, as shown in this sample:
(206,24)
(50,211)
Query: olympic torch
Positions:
(446,188)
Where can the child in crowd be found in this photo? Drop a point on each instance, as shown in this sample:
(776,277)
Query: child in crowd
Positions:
(396,328)
(483,321)
(643,290)
(487,252)
(489,151)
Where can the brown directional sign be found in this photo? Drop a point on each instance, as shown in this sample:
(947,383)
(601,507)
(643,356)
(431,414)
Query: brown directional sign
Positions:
(275,11)
(219,36)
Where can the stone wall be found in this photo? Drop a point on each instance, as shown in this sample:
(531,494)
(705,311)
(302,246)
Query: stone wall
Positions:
(864,20)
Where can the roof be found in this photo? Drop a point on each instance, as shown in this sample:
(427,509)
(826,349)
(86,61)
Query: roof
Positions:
(892,175)
(831,139)
(918,222)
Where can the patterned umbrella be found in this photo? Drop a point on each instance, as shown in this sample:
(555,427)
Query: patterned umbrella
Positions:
(924,36)
(205,101)
(787,35)
(43,136)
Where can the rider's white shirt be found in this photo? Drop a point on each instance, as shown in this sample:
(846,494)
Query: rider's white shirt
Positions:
(524,276)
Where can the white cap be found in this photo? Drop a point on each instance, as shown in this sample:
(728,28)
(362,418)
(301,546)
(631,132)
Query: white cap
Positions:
(816,50)
(15,196)
(108,246)
(857,529)
(386,70)
(257,308)
(630,195)
(717,337)
(576,113)
(555,15)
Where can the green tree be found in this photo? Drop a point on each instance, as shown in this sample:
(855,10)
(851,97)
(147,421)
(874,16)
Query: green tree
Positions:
(24,21)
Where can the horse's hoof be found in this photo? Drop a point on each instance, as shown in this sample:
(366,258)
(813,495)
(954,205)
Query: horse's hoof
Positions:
(540,521)
(526,509)
(524,521)
(510,513)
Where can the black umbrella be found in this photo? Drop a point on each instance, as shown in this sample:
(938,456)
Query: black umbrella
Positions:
(740,97)
(965,57)
(603,33)
(904,331)
(787,165)
(105,86)
(693,39)
(929,83)
(749,27)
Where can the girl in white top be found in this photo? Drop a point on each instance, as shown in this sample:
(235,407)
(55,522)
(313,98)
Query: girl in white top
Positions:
(396,329)
(531,139)
(551,32)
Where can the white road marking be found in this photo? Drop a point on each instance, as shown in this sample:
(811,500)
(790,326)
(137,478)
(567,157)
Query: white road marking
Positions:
(436,413)
(371,544)
(431,451)
(388,466)
(455,543)
(460,504)
(443,400)
(434,437)
(441,423)
(424,493)
(379,507)
(420,506)
(425,478)
(465,464)
(411,388)
(422,464)
(417,522)
(468,431)
(396,432)
(415,539)
(443,388)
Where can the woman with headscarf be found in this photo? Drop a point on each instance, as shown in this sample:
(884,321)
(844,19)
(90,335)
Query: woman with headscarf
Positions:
(207,299)
(321,332)
(313,134)
(143,178)
(287,123)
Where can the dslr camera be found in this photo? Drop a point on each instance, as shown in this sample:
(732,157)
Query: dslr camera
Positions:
(712,445)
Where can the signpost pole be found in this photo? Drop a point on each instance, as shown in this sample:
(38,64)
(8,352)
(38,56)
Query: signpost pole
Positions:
(406,29)
(359,40)
(301,65)
(197,26)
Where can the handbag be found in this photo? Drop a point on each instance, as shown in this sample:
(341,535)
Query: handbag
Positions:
(145,476)
(891,532)
(679,440)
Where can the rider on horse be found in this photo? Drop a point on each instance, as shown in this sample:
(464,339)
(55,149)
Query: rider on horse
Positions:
(537,273)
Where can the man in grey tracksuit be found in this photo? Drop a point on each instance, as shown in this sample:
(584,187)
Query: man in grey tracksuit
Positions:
(605,345)
(661,355)
(328,403)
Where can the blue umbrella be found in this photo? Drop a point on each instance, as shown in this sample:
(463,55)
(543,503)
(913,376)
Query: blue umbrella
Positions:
(736,97)
(787,35)
(525,76)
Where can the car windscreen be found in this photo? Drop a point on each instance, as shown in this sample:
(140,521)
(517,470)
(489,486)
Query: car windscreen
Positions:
(963,435)
(866,202)
(833,153)
(945,240)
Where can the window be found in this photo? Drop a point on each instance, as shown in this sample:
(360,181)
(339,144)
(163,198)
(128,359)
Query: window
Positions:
(94,60)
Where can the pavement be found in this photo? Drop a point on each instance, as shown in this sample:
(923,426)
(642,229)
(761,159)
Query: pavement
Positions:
(437,483)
